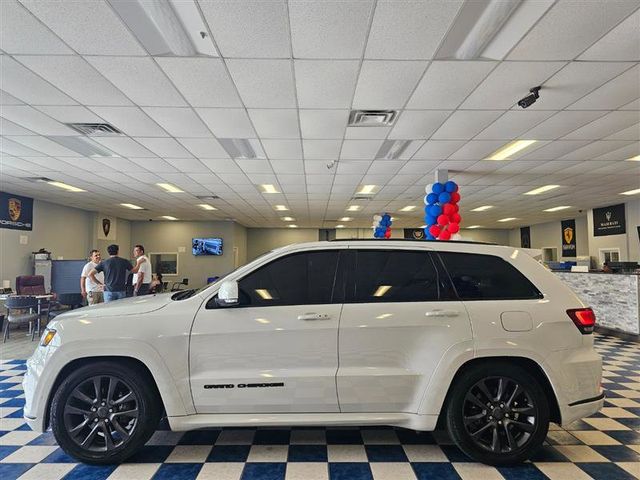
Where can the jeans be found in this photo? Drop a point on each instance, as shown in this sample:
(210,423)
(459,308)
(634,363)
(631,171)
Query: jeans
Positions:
(111,296)
(93,298)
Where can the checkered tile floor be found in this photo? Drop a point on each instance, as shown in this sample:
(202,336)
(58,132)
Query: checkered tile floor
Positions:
(605,446)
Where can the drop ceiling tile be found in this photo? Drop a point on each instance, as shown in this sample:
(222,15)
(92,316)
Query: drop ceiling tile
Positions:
(476,150)
(287,166)
(414,124)
(264,83)
(367,133)
(282,149)
(102,32)
(24,84)
(508,83)
(275,123)
(351,167)
(179,122)
(34,120)
(384,166)
(342,26)
(629,133)
(360,149)
(227,122)
(633,105)
(165,147)
(555,149)
(386,84)
(140,79)
(19,150)
(438,149)
(326,83)
(604,126)
(191,165)
(595,149)
(561,124)
(10,128)
(409,30)
(325,124)
(204,82)
(70,114)
(513,124)
(6,99)
(462,125)
(44,145)
(124,146)
(623,153)
(321,149)
(569,28)
(204,147)
(254,166)
(418,167)
(130,120)
(249,29)
(218,166)
(614,94)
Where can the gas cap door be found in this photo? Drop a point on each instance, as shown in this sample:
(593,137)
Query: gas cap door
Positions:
(516,321)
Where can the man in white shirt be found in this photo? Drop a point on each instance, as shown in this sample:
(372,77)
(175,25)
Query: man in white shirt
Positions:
(143,278)
(91,290)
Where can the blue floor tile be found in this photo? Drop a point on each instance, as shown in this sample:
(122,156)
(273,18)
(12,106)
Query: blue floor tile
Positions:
(454,454)
(272,437)
(525,471)
(386,453)
(344,437)
(90,472)
(200,437)
(264,471)
(605,471)
(435,471)
(178,471)
(59,456)
(618,453)
(547,453)
(6,450)
(412,437)
(11,471)
(229,453)
(350,471)
(46,438)
(307,453)
(151,454)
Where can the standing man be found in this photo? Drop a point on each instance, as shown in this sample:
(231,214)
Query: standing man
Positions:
(142,279)
(115,271)
(91,290)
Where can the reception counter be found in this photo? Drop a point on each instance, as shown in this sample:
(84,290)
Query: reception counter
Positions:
(615,298)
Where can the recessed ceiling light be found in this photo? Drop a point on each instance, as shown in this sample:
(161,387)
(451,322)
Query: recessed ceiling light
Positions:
(482,209)
(68,188)
(281,208)
(392,149)
(366,190)
(634,159)
(557,209)
(288,219)
(510,149)
(508,219)
(353,208)
(408,208)
(346,219)
(631,192)
(339,226)
(169,188)
(292,226)
(538,191)
(131,206)
(242,148)
(473,227)
(381,290)
(268,188)
(168,217)
(206,206)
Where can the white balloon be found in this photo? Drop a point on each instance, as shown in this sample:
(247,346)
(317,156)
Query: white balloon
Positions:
(424,199)
(456,237)
(428,188)
(377,218)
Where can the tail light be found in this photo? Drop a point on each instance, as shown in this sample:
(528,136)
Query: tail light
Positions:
(584,318)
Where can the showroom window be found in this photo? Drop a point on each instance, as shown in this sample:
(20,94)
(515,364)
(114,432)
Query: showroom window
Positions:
(486,277)
(394,276)
(299,279)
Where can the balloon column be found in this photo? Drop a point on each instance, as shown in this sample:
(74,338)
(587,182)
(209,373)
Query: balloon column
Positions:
(441,211)
(382,226)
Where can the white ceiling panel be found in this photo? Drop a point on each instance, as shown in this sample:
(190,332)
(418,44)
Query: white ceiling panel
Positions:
(164,147)
(323,123)
(275,123)
(32,119)
(130,120)
(227,122)
(10,128)
(179,122)
(140,79)
(633,105)
(414,124)
(409,30)
(595,149)
(282,149)
(326,83)
(508,83)
(204,82)
(623,153)
(438,149)
(6,99)
(447,83)
(18,149)
(570,27)
(465,124)
(555,149)
(288,167)
(418,167)
(204,147)
(629,133)
(604,126)
(221,165)
(156,165)
(27,86)
(193,165)
(249,29)
(476,150)
(69,113)
(101,31)
(561,124)
(321,149)
(342,26)
(124,146)
(264,83)
(360,149)
(386,84)
(513,124)
(44,145)
(366,133)
(614,94)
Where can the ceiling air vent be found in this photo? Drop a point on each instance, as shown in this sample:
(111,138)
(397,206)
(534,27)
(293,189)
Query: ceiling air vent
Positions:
(361,198)
(372,118)
(94,129)
(38,179)
(208,197)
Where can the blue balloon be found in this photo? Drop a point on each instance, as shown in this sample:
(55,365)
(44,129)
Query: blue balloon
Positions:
(386,217)
(432,198)
(444,197)
(429,220)
(450,186)
(428,236)
(435,210)
(437,188)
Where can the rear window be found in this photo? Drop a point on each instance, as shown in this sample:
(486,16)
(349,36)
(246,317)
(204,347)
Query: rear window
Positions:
(486,277)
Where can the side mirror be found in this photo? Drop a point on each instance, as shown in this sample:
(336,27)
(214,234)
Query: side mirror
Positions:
(228,294)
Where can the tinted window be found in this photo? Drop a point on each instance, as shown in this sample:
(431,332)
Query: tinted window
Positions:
(394,276)
(297,279)
(485,277)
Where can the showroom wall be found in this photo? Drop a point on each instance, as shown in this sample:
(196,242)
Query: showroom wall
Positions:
(261,240)
(549,235)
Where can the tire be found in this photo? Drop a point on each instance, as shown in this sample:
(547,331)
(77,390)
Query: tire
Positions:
(520,425)
(129,415)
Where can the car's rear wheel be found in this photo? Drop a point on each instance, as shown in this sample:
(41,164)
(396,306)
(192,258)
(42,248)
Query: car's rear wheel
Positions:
(497,413)
(104,411)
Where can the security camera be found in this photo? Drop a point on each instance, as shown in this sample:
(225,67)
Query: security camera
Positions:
(331,164)
(531,98)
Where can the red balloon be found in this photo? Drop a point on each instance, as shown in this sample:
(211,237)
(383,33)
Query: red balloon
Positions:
(434,230)
(387,234)
(443,219)
(444,235)
(449,208)
(456,207)
(455,197)
(453,228)
(456,218)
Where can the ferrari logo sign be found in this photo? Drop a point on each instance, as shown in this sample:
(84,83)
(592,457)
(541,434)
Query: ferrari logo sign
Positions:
(569,247)
(15,208)
(568,235)
(106,226)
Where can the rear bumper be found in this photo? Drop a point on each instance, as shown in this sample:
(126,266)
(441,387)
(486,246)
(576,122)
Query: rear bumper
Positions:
(581,409)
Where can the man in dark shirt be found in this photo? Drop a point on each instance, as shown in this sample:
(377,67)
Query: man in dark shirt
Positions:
(116,270)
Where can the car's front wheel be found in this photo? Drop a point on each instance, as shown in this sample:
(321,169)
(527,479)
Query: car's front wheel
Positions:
(104,411)
(497,413)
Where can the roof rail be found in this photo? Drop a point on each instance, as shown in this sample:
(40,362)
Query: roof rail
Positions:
(408,240)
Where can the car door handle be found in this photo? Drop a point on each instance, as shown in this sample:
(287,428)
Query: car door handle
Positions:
(314,316)
(442,313)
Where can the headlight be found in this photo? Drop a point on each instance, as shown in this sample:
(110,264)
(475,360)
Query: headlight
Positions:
(47,337)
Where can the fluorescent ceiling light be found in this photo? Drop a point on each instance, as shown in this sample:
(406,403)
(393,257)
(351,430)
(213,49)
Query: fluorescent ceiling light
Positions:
(510,149)
(264,293)
(482,209)
(392,149)
(381,290)
(292,226)
(167,27)
(634,159)
(242,148)
(281,208)
(131,206)
(473,227)
(353,208)
(168,217)
(268,188)
(408,208)
(346,219)
(538,191)
(68,188)
(631,192)
(508,219)
(557,209)
(288,219)
(83,145)
(366,190)
(206,206)
(339,226)
(169,188)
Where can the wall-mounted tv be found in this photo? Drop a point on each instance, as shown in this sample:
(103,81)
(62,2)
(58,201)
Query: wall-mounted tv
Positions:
(206,246)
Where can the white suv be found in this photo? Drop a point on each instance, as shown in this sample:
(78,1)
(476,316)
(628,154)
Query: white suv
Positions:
(384,332)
